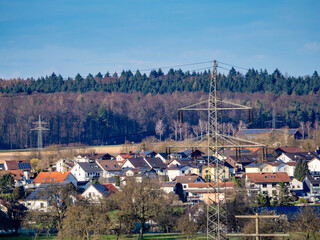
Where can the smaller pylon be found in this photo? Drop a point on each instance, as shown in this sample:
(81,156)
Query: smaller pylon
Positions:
(39,128)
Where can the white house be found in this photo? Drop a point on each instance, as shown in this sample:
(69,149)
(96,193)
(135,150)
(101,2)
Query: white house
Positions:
(314,166)
(265,182)
(85,171)
(177,170)
(296,184)
(40,198)
(95,192)
(110,168)
(64,165)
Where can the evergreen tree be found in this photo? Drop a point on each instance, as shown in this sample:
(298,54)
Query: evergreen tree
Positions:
(301,170)
(262,200)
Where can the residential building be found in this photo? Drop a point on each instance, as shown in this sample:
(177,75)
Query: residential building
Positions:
(311,186)
(86,171)
(57,177)
(177,170)
(265,182)
(110,168)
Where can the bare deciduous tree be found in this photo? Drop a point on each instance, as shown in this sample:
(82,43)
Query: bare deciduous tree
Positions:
(195,129)
(308,128)
(202,126)
(175,128)
(303,129)
(160,128)
(142,201)
(185,130)
(307,221)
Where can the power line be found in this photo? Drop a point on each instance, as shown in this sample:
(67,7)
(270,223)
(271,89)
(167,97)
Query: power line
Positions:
(174,66)
(224,68)
(228,64)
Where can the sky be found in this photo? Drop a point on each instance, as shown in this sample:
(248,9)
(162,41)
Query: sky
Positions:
(76,36)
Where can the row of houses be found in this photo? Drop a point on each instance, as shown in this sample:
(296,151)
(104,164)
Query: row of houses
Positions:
(186,173)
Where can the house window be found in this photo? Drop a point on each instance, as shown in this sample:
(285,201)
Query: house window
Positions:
(115,166)
(264,185)
(41,205)
(274,184)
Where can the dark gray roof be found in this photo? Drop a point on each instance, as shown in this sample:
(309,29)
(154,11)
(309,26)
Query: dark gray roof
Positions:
(40,193)
(156,163)
(138,163)
(101,189)
(90,167)
(302,155)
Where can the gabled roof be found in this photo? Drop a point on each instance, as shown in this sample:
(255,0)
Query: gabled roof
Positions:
(109,165)
(15,165)
(289,149)
(177,167)
(145,153)
(291,163)
(101,189)
(314,159)
(111,188)
(138,162)
(156,163)
(187,179)
(40,193)
(302,155)
(17,174)
(268,177)
(104,156)
(51,177)
(90,167)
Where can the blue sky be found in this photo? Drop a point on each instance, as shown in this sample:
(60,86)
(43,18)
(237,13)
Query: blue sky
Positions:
(75,36)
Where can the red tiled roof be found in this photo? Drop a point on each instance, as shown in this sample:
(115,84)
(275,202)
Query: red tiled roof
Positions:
(268,177)
(13,164)
(51,177)
(291,163)
(111,188)
(17,174)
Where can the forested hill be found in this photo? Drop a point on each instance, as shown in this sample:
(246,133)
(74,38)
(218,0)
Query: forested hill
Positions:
(175,80)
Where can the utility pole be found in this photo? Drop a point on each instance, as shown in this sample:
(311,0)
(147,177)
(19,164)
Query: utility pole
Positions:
(257,234)
(40,128)
(214,141)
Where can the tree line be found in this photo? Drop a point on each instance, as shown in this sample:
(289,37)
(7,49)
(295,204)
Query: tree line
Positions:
(175,80)
(95,118)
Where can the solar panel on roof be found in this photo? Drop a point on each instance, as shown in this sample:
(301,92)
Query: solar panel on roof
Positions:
(24,165)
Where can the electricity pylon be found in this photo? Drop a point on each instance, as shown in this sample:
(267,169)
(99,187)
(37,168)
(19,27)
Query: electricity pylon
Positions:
(215,141)
(40,128)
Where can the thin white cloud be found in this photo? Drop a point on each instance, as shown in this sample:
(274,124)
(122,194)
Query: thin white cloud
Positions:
(312,46)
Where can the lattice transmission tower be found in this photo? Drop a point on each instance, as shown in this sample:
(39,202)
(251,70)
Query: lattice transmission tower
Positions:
(215,142)
(40,128)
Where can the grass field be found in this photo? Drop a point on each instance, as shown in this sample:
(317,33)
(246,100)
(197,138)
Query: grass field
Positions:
(112,149)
